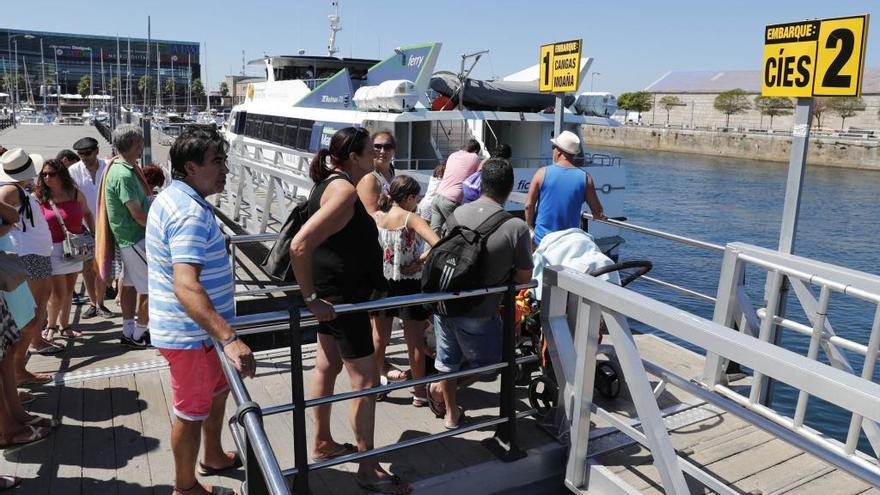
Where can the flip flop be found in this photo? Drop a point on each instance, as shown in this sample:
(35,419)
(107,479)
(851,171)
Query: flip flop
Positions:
(438,408)
(385,485)
(344,449)
(26,397)
(215,490)
(8,481)
(36,381)
(37,434)
(460,419)
(206,470)
(44,422)
(69,332)
(47,350)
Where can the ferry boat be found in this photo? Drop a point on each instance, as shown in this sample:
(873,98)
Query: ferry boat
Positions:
(305,99)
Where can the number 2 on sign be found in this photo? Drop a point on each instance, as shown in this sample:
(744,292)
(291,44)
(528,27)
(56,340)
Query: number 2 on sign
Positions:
(840,57)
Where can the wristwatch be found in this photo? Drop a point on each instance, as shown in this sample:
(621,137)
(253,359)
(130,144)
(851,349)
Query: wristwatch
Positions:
(310,297)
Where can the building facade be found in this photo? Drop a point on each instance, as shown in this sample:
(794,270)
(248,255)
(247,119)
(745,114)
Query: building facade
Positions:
(697,91)
(62,59)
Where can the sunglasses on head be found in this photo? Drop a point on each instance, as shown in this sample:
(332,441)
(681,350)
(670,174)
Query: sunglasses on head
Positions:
(354,137)
(383,146)
(49,174)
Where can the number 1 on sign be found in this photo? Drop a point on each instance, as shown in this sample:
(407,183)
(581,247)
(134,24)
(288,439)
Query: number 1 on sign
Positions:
(546,56)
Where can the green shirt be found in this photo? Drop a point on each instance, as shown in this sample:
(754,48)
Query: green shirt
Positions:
(121,186)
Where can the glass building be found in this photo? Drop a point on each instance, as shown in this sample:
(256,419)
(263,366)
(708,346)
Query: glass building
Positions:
(66,58)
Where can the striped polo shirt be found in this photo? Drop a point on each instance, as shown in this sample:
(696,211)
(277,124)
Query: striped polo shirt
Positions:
(182,228)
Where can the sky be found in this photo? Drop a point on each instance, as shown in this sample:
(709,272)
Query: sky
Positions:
(633,42)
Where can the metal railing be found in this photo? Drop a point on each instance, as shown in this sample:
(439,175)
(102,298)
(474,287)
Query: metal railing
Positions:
(688,241)
(263,473)
(270,286)
(568,328)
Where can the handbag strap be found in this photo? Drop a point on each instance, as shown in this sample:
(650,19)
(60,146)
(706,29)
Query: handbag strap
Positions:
(58,216)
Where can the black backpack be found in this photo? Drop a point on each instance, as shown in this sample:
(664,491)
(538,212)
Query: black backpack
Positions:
(276,264)
(454,263)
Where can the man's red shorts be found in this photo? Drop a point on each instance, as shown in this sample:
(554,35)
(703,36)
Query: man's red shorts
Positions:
(196,378)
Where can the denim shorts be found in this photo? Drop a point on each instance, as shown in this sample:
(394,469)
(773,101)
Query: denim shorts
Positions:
(476,341)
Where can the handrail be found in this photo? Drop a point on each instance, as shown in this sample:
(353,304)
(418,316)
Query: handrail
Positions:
(256,443)
(658,233)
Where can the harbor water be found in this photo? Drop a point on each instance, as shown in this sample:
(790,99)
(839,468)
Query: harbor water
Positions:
(723,200)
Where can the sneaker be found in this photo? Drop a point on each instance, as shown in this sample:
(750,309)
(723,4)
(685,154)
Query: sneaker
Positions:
(105,313)
(135,344)
(90,313)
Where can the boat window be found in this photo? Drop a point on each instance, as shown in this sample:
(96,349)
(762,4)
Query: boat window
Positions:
(278,130)
(290,130)
(304,136)
(240,122)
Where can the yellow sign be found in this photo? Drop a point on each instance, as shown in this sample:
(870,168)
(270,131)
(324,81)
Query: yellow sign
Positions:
(560,66)
(814,58)
(840,60)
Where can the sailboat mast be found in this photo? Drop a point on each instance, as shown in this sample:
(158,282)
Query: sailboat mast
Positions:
(158,78)
(147,72)
(207,84)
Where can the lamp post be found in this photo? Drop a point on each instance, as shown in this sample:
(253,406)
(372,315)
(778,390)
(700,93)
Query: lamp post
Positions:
(11,40)
(593,78)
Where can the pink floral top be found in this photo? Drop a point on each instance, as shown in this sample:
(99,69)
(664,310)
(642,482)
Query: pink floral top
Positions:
(400,247)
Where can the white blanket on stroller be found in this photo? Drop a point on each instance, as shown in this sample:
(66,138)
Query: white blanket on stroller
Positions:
(572,248)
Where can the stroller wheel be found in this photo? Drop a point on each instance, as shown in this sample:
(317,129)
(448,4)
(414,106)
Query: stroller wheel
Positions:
(607,381)
(543,393)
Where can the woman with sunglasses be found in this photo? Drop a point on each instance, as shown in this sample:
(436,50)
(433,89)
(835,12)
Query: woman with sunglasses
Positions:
(336,259)
(377,182)
(66,210)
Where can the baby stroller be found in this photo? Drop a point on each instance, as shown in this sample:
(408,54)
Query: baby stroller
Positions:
(576,249)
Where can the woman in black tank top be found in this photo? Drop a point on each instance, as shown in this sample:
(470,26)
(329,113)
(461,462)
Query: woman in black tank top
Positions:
(336,258)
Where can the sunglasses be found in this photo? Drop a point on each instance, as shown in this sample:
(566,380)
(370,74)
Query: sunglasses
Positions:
(381,146)
(354,137)
(49,174)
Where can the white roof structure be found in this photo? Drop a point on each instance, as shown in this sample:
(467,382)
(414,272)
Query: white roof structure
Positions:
(707,81)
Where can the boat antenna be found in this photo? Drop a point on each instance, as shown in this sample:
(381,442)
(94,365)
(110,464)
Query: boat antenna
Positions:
(335,27)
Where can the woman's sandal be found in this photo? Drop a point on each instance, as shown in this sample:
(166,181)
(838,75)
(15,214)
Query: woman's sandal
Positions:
(396,375)
(37,433)
(48,333)
(438,408)
(7,481)
(41,421)
(69,332)
(419,401)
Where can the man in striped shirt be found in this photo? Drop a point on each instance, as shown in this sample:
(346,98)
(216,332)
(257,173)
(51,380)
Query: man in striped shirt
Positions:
(191,301)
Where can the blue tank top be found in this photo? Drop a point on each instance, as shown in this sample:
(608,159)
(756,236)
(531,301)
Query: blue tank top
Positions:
(560,200)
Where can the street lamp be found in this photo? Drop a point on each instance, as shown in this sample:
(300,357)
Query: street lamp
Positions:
(11,40)
(592,79)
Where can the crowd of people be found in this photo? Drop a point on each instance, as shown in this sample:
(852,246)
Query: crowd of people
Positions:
(369,233)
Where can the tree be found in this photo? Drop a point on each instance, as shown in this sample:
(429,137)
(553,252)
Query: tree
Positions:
(224,88)
(168,87)
(9,82)
(820,105)
(773,106)
(640,101)
(731,103)
(114,83)
(197,87)
(145,83)
(845,107)
(668,102)
(84,87)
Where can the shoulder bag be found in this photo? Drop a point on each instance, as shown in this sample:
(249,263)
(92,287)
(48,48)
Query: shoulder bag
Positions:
(76,247)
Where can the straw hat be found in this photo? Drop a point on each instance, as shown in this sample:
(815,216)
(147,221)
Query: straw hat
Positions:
(567,142)
(18,165)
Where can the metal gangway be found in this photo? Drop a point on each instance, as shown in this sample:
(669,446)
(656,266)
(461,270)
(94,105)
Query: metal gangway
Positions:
(574,304)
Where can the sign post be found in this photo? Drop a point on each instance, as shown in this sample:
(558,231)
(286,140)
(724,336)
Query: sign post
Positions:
(559,73)
(802,60)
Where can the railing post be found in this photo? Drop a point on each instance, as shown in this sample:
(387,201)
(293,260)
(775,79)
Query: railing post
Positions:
(300,446)
(504,443)
(254,482)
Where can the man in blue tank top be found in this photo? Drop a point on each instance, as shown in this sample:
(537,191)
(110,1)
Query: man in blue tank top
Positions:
(559,190)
